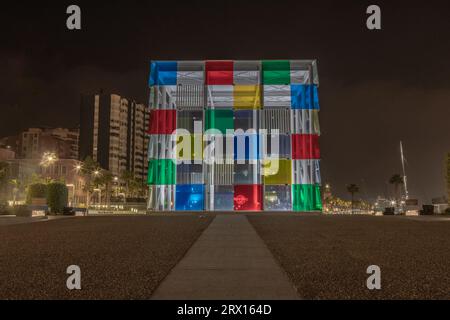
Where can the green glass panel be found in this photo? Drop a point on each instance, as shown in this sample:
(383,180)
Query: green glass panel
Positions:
(276,72)
(219,119)
(276,65)
(161,172)
(151,172)
(306,197)
(277,77)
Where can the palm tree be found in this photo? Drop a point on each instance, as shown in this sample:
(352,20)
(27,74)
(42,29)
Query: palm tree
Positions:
(397,181)
(352,189)
(128,178)
(3,178)
(90,169)
(16,187)
(3,170)
(106,179)
(448,176)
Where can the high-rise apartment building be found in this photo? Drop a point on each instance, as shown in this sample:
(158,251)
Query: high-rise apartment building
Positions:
(34,142)
(112,132)
(234,136)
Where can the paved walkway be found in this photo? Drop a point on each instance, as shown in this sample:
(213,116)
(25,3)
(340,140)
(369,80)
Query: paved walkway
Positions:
(10,220)
(228,261)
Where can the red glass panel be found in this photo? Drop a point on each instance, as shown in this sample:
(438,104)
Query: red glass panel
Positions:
(162,122)
(248,197)
(305,146)
(219,72)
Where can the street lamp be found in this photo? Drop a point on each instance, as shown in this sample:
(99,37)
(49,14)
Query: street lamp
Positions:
(48,158)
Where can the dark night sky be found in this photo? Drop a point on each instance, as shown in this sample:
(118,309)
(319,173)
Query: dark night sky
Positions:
(376,87)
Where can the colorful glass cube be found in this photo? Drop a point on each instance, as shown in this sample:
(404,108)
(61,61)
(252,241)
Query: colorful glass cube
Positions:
(246,139)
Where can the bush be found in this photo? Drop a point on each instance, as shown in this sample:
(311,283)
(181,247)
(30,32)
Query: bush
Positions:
(36,190)
(57,197)
(3,207)
(447,211)
(22,211)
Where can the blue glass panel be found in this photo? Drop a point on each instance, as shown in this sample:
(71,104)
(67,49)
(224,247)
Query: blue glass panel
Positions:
(152,80)
(246,147)
(167,78)
(298,96)
(304,96)
(189,197)
(163,73)
(315,98)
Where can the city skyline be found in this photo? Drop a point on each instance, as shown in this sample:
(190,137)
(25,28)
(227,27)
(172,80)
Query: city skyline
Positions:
(377,87)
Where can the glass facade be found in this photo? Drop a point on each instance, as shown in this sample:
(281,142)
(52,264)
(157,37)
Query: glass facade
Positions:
(189,197)
(234,136)
(277,197)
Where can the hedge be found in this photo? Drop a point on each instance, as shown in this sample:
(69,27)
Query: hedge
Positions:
(57,197)
(36,190)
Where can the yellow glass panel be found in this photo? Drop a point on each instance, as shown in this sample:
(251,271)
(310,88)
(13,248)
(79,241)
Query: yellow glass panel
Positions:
(277,171)
(247,97)
(189,147)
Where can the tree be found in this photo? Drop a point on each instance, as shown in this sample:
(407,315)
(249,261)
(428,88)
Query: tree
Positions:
(90,169)
(36,190)
(57,197)
(106,179)
(352,189)
(128,178)
(3,170)
(448,177)
(396,180)
(3,179)
(16,184)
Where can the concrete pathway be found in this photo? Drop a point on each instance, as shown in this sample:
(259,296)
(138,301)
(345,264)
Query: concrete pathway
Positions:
(11,220)
(228,261)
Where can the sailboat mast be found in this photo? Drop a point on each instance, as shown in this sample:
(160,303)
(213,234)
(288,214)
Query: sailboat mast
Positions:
(404,171)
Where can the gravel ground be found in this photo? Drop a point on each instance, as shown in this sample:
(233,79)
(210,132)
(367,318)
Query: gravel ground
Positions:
(119,257)
(326,257)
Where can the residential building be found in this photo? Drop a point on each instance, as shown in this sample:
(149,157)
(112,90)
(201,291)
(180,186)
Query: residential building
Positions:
(112,132)
(34,142)
(6,154)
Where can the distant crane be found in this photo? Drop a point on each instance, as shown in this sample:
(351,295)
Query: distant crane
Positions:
(404,171)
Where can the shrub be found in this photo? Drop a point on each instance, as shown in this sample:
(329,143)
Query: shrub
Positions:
(447,211)
(3,207)
(57,197)
(22,211)
(36,190)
